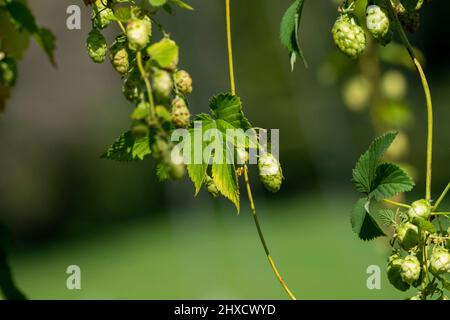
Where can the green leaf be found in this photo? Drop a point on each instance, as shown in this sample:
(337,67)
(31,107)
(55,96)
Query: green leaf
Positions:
(226,114)
(224,176)
(197,171)
(127,148)
(365,172)
(23,18)
(46,41)
(182,4)
(289,31)
(228,107)
(164,53)
(390,181)
(363,224)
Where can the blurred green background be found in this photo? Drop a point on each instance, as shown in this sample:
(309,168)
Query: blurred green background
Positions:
(135,238)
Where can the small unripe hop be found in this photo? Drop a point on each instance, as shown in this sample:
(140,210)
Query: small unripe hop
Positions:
(132,88)
(138,33)
(348,36)
(420,209)
(242,155)
(176,167)
(440,261)
(8,72)
(211,187)
(270,172)
(410,271)
(379,24)
(102,16)
(183,82)
(96,46)
(162,84)
(119,56)
(408,235)
(394,273)
(180,113)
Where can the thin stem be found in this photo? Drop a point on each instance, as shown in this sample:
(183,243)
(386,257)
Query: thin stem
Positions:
(442,196)
(122,27)
(440,214)
(230,47)
(398,204)
(429,102)
(261,236)
(246,178)
(147,85)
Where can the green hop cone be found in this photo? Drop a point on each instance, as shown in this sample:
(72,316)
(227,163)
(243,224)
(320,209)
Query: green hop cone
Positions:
(211,187)
(379,24)
(8,72)
(183,82)
(270,172)
(138,33)
(96,46)
(407,235)
(242,155)
(440,261)
(411,5)
(410,270)
(175,166)
(101,15)
(394,273)
(420,209)
(162,84)
(180,113)
(349,36)
(119,56)
(159,148)
(131,88)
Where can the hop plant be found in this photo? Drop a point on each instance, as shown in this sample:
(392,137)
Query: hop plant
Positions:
(183,82)
(119,56)
(410,271)
(379,24)
(8,72)
(102,15)
(420,209)
(270,172)
(394,273)
(180,113)
(162,84)
(349,36)
(408,235)
(211,187)
(96,46)
(440,261)
(139,32)
(131,88)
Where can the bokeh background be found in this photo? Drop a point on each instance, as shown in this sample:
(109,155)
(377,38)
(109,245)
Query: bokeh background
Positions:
(135,238)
